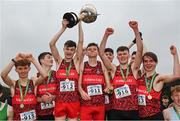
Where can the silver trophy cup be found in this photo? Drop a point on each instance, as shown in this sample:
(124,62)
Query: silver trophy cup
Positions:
(89,12)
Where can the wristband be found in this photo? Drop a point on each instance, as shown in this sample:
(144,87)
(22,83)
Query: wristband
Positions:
(134,41)
(13,61)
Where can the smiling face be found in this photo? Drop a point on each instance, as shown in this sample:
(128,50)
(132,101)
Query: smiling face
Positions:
(176,98)
(149,64)
(22,67)
(150,61)
(123,57)
(175,95)
(23,71)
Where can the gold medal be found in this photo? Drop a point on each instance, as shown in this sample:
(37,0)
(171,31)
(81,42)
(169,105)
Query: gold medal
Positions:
(21,105)
(67,80)
(149,97)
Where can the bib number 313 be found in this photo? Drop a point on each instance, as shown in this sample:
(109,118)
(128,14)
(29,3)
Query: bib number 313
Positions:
(28,116)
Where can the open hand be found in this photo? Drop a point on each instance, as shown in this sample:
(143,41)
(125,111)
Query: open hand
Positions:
(84,95)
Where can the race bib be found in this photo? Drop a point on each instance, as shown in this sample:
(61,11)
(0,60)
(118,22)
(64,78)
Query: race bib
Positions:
(47,105)
(67,86)
(30,115)
(94,90)
(142,100)
(123,91)
(106,99)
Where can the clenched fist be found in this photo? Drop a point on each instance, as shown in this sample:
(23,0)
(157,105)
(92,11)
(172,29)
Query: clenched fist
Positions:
(109,31)
(133,24)
(173,50)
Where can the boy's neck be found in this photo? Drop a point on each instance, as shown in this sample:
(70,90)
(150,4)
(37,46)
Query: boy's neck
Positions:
(92,62)
(68,59)
(124,66)
(47,68)
(23,81)
(150,73)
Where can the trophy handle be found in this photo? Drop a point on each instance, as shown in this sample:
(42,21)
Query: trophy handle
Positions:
(72,18)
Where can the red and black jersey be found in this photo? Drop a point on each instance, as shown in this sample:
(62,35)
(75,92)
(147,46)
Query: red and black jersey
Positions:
(67,91)
(152,106)
(93,83)
(129,102)
(50,87)
(29,101)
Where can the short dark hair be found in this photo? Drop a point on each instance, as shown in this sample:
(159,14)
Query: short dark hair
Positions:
(70,43)
(92,44)
(122,48)
(151,55)
(23,62)
(109,50)
(42,55)
(133,53)
(165,97)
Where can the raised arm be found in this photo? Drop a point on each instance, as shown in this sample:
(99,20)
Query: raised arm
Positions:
(137,62)
(54,40)
(5,72)
(134,42)
(43,73)
(110,67)
(176,68)
(161,79)
(79,52)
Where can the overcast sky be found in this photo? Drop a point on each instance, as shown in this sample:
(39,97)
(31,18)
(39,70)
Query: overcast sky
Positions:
(29,25)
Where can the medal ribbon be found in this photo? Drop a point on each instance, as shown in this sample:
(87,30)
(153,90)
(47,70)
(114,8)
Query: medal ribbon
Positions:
(49,76)
(176,112)
(68,69)
(151,82)
(49,79)
(122,73)
(20,89)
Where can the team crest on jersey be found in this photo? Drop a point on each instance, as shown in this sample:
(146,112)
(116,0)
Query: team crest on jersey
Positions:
(98,71)
(29,90)
(52,79)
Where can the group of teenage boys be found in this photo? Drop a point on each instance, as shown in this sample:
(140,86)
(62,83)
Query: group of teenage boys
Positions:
(90,90)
